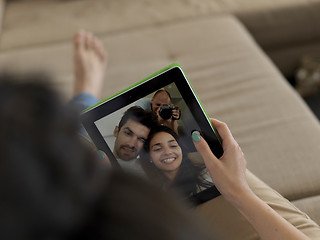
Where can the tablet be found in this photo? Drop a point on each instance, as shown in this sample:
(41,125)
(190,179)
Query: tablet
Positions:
(146,130)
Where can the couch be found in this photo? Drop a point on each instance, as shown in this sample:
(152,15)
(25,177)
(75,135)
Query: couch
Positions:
(286,30)
(236,80)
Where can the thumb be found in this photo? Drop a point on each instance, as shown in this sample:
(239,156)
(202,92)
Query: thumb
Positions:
(204,149)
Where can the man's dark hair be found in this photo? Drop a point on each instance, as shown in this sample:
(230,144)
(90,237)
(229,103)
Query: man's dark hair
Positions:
(138,114)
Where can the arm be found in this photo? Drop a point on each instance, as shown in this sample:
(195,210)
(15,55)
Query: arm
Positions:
(228,174)
(173,121)
(173,124)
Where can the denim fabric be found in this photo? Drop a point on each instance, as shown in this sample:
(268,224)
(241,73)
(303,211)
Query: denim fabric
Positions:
(81,102)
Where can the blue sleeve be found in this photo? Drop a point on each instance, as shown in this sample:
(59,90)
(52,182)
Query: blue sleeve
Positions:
(144,103)
(81,102)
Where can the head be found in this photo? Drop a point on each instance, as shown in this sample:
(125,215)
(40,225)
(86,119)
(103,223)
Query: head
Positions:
(53,186)
(161,97)
(165,151)
(132,132)
(166,161)
(48,175)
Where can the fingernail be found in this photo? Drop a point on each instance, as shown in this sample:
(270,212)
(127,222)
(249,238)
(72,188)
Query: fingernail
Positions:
(101,154)
(196,136)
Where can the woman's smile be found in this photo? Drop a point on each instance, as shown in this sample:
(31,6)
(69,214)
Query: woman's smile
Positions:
(168,160)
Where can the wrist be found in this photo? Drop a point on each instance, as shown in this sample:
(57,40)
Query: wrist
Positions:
(241,198)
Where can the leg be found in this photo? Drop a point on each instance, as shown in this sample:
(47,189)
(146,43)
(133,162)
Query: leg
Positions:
(284,207)
(227,223)
(89,68)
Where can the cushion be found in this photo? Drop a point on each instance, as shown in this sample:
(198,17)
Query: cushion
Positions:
(233,78)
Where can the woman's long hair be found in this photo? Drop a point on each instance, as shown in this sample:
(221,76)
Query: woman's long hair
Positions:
(53,186)
(189,177)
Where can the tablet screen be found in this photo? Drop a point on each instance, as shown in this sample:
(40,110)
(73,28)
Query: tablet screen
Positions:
(146,130)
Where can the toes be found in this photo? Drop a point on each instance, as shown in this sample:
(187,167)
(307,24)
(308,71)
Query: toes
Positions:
(89,39)
(93,44)
(98,48)
(79,39)
(86,41)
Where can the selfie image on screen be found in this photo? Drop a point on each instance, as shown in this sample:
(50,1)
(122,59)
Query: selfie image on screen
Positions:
(151,137)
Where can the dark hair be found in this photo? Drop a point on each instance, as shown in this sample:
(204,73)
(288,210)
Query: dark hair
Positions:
(161,128)
(189,177)
(46,178)
(138,114)
(136,209)
(53,186)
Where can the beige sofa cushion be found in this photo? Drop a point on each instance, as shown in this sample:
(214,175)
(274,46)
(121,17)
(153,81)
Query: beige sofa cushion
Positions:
(274,23)
(286,29)
(234,79)
(310,206)
(2,8)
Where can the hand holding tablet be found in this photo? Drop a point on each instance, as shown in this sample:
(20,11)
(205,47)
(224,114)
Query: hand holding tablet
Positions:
(228,172)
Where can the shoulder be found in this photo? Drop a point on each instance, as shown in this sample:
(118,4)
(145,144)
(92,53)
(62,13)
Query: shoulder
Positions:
(144,103)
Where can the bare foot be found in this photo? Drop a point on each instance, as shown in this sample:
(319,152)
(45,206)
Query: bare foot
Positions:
(89,63)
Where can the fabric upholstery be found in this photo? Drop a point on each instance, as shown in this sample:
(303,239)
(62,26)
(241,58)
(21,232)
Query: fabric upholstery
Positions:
(276,25)
(235,80)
